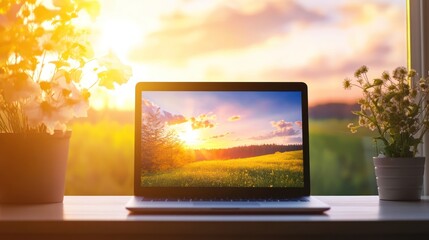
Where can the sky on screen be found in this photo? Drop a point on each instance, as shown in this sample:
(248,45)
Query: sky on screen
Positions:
(223,119)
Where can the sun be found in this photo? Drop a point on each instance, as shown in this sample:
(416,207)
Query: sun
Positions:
(190,137)
(119,35)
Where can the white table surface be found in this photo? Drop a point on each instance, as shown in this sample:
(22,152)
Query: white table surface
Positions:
(105,217)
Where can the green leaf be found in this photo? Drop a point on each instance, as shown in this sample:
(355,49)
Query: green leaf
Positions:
(378,82)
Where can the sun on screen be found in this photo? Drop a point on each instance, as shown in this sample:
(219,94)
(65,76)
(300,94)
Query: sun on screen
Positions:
(190,137)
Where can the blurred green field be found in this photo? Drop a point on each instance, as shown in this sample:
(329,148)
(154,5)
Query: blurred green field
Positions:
(101,159)
(340,162)
(274,170)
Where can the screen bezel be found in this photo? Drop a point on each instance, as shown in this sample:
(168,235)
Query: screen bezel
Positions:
(221,192)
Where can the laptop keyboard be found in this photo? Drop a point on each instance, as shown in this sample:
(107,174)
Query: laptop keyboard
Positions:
(302,199)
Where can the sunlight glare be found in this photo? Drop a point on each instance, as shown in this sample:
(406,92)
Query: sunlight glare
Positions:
(119,36)
(189,136)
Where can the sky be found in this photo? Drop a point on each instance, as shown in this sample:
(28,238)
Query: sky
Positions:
(212,120)
(317,42)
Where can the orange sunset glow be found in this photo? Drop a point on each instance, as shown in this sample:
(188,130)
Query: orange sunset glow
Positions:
(317,42)
(74,65)
(190,136)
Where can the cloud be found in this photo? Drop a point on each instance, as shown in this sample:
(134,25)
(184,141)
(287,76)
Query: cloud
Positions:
(322,68)
(282,124)
(149,108)
(282,129)
(353,12)
(173,119)
(203,121)
(298,123)
(183,36)
(371,33)
(234,118)
(220,135)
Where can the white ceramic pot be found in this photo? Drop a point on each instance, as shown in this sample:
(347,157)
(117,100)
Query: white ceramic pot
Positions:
(399,178)
(33,167)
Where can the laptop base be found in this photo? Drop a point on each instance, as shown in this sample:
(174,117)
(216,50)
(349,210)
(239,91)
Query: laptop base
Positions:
(299,205)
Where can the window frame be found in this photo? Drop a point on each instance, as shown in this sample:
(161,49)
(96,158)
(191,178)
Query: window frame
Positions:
(418,57)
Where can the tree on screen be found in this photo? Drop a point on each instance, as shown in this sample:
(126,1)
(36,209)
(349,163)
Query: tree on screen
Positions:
(161,147)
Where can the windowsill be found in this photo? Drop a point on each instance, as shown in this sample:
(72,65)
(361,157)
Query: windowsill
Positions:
(105,216)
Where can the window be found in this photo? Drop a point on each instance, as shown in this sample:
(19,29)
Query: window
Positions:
(418,53)
(317,42)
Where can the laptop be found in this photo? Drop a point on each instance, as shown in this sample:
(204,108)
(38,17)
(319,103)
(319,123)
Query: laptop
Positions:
(222,147)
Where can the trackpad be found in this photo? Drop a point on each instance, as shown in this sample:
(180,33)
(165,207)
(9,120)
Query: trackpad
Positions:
(226,204)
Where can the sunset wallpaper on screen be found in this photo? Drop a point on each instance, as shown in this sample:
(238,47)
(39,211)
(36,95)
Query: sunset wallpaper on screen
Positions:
(212,139)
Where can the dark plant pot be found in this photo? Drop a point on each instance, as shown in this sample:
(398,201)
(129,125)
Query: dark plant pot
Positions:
(399,179)
(33,167)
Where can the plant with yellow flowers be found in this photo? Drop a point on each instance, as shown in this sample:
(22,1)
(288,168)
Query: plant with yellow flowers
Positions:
(394,106)
(44,58)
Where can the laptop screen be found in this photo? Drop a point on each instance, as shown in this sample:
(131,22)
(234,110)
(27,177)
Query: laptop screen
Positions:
(232,139)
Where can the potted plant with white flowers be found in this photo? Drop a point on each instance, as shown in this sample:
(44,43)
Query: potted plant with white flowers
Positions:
(47,72)
(396,107)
